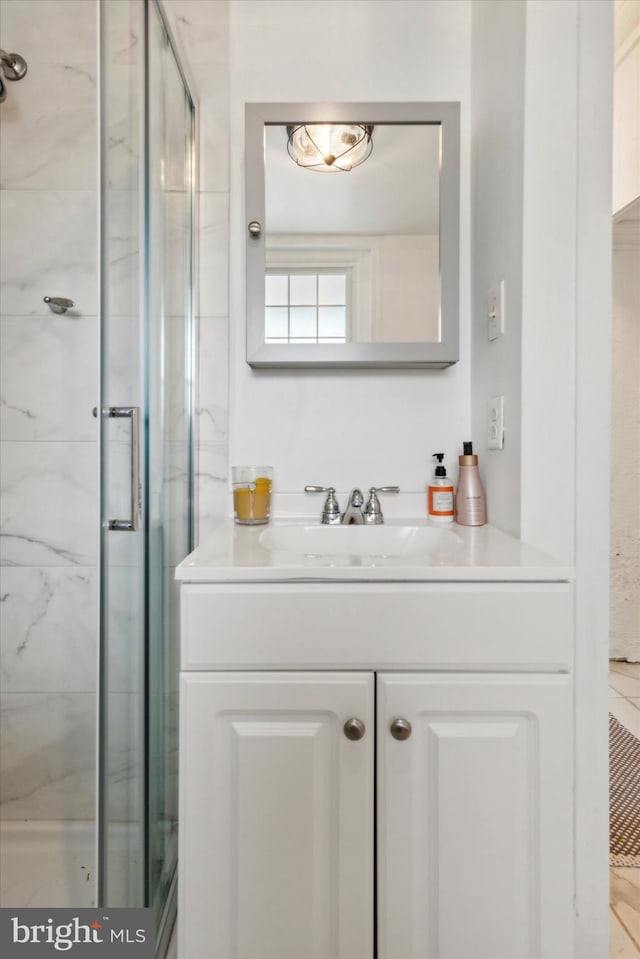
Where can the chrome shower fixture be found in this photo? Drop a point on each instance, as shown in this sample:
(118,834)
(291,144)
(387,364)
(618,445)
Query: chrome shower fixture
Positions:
(12,67)
(58,304)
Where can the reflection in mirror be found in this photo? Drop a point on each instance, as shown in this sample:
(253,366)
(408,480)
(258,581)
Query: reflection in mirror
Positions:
(360,267)
(355,258)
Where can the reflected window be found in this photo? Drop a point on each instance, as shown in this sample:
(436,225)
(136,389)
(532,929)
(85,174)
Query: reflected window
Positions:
(307,306)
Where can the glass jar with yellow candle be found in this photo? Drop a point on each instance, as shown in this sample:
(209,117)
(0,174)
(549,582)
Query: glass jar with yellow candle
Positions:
(251,494)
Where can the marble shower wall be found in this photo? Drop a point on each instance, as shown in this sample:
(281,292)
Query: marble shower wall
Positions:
(48,454)
(48,228)
(201,30)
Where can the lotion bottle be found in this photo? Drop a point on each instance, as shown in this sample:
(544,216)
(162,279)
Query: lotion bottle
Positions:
(440,494)
(471,508)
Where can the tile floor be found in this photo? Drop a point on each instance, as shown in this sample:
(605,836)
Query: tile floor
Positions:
(624,703)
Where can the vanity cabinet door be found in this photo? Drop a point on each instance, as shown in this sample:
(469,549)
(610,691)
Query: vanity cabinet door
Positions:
(475,816)
(276,816)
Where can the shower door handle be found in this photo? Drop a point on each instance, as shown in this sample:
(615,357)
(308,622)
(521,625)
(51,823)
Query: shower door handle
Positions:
(133,413)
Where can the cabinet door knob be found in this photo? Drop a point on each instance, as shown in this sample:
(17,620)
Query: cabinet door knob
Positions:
(354,729)
(400,728)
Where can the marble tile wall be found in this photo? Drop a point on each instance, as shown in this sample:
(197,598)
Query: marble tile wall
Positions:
(201,30)
(49,371)
(48,455)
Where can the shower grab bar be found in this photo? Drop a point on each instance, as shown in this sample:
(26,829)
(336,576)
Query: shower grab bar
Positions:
(133,413)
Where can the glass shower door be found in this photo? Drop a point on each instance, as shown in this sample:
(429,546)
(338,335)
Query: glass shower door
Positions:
(146,469)
(121,720)
(168,480)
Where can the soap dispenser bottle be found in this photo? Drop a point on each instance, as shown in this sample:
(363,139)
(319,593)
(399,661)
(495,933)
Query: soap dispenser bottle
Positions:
(471,508)
(440,494)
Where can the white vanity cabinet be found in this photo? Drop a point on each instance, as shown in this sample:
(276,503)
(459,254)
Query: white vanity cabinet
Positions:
(474,817)
(277,816)
(454,842)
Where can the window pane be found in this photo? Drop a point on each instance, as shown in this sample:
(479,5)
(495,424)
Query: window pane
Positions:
(303,321)
(303,290)
(331,321)
(275,321)
(276,292)
(332,289)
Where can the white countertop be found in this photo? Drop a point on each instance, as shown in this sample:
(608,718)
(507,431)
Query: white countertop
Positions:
(235,553)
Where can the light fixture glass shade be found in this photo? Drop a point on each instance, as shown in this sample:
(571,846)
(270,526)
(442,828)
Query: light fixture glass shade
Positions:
(329,147)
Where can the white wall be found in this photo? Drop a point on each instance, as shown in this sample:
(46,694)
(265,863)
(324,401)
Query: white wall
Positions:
(524,163)
(625,450)
(590,433)
(549,271)
(541,193)
(408,307)
(625,398)
(497,150)
(346,428)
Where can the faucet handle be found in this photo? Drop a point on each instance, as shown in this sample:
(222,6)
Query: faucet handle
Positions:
(372,511)
(331,511)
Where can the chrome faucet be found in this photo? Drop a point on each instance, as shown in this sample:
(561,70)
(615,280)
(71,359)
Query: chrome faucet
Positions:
(356,512)
(353,513)
(331,511)
(373,511)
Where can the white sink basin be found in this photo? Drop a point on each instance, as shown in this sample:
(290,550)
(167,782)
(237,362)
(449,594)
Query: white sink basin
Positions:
(361,540)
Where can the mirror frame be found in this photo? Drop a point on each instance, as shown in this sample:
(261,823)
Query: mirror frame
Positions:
(438,355)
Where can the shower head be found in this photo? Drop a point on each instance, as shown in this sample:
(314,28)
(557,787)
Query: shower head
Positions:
(12,67)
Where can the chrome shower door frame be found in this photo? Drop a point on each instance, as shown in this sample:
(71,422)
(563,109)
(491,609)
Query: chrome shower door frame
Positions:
(134,568)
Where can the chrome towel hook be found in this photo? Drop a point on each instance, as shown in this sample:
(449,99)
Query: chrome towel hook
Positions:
(58,304)
(12,67)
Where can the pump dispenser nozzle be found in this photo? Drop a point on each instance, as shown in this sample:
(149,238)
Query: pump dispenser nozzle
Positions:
(440,470)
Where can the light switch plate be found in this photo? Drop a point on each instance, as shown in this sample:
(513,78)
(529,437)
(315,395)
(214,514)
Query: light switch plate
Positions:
(495,311)
(495,434)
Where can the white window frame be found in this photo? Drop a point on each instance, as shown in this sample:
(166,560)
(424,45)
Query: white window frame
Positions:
(316,272)
(322,254)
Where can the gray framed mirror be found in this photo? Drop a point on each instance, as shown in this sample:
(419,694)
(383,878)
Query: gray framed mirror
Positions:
(352,242)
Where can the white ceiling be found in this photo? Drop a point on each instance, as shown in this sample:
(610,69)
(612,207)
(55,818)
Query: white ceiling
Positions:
(395,191)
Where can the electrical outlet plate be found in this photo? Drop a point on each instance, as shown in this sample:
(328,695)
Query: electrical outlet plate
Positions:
(495,435)
(495,310)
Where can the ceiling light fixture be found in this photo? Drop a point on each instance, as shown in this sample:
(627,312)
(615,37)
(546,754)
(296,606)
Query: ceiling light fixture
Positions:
(329,147)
